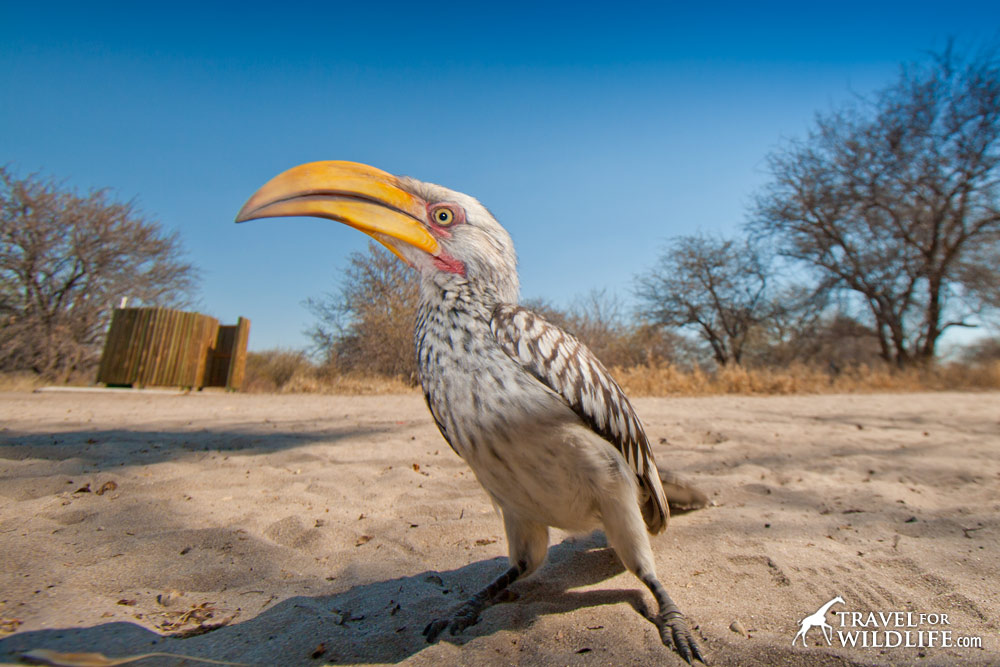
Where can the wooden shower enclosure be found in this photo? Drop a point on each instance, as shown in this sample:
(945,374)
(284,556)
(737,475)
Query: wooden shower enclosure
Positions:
(162,347)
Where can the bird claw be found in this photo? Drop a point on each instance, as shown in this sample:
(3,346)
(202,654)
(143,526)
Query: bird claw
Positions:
(679,636)
(434,628)
(465,617)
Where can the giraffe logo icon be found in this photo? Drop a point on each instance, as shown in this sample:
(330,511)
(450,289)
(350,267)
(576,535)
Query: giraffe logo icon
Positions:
(818,619)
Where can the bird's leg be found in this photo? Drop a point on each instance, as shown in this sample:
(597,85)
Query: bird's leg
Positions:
(627,535)
(671,622)
(527,543)
(468,613)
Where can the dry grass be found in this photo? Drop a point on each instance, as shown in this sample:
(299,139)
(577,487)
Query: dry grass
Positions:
(349,383)
(20,382)
(278,371)
(290,371)
(667,380)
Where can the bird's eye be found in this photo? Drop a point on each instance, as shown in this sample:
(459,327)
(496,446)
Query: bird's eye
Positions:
(444,216)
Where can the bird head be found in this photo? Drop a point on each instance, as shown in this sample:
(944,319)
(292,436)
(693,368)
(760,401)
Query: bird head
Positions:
(449,237)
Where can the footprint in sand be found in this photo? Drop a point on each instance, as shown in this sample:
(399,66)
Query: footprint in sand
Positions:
(290,532)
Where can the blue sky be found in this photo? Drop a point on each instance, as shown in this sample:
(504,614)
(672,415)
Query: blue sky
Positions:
(594,132)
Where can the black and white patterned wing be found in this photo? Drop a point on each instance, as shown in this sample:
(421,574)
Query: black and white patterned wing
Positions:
(570,369)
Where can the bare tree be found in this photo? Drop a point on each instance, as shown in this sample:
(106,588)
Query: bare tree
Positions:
(65,261)
(599,321)
(716,287)
(368,325)
(983,351)
(895,199)
(977,273)
(827,339)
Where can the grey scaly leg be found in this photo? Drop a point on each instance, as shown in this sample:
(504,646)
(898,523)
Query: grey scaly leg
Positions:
(671,619)
(468,613)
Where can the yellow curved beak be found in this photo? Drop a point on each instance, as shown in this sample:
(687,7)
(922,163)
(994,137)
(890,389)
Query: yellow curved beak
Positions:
(355,194)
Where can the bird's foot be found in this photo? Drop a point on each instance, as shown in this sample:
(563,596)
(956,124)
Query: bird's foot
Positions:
(674,631)
(467,614)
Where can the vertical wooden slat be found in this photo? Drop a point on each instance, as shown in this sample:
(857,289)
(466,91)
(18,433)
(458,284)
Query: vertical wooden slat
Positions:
(163,378)
(238,356)
(129,361)
(154,346)
(111,353)
(140,351)
(174,336)
(221,356)
(166,377)
(185,376)
(180,358)
(120,336)
(181,361)
(211,338)
(107,356)
(137,346)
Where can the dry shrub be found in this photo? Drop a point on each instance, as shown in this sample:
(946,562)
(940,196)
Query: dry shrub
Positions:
(282,371)
(272,371)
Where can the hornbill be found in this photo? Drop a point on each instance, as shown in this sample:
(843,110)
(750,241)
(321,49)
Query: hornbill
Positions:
(549,434)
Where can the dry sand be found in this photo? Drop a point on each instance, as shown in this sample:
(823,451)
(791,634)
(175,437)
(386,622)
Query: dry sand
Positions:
(338,526)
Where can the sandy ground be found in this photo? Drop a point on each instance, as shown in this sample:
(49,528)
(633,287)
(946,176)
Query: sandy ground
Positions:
(318,529)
